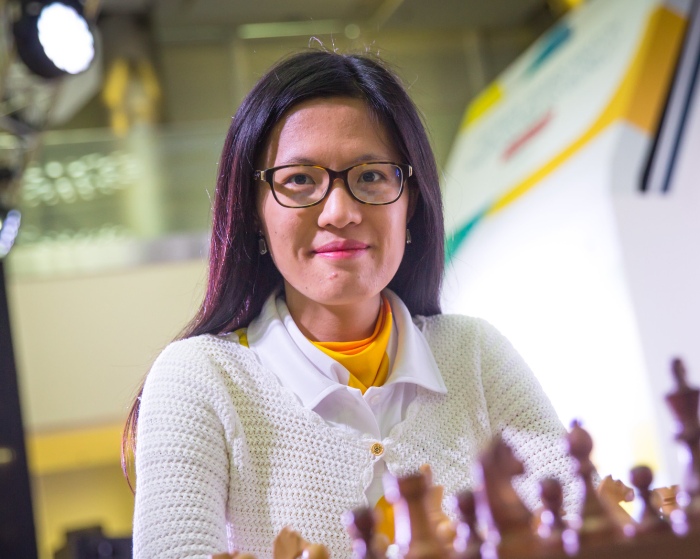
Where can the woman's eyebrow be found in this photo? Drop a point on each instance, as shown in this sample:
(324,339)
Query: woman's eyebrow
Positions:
(293,160)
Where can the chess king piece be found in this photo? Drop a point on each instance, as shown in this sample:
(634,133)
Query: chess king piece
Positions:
(509,522)
(596,524)
(683,402)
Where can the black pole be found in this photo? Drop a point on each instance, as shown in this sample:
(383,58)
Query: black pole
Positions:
(17,536)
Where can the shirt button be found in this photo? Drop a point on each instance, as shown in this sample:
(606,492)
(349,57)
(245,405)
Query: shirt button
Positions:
(377,449)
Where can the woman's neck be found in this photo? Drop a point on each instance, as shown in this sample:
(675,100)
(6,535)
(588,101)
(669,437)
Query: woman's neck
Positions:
(333,323)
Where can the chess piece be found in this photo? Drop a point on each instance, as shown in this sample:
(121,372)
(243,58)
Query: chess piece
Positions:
(509,521)
(468,541)
(596,526)
(650,523)
(415,534)
(612,492)
(288,544)
(360,525)
(684,405)
(444,527)
(315,551)
(664,500)
(551,527)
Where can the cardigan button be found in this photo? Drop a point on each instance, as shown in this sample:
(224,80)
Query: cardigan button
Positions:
(377,449)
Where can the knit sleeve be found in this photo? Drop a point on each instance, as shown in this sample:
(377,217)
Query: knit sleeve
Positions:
(521,413)
(182,464)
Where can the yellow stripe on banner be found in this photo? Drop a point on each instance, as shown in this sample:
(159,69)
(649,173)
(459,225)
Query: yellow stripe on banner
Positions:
(639,99)
(49,453)
(482,104)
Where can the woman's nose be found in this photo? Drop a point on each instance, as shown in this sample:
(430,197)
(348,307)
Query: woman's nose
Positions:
(339,209)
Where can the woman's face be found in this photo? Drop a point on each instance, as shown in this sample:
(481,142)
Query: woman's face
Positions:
(339,252)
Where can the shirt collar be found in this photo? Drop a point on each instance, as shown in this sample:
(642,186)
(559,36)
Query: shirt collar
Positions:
(414,361)
(312,375)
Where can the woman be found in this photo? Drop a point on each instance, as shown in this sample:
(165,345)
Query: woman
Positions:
(319,358)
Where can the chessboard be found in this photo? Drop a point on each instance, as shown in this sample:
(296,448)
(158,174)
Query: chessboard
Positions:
(494,523)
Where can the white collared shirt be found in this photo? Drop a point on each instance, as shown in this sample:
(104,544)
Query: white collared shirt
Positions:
(321,383)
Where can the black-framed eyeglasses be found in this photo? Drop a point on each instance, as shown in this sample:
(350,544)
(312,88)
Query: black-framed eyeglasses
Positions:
(299,186)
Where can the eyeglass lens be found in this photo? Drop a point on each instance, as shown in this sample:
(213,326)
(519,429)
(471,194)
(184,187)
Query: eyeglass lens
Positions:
(373,183)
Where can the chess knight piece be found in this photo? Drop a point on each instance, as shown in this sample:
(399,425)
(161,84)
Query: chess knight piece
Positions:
(509,521)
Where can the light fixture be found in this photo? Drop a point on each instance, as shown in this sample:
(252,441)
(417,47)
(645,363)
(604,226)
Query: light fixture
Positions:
(53,37)
(9,227)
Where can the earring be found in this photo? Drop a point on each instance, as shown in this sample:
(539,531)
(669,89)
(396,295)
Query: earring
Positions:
(262,245)
(408,236)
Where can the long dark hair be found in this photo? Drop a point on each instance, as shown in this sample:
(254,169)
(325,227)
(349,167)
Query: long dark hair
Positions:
(240,279)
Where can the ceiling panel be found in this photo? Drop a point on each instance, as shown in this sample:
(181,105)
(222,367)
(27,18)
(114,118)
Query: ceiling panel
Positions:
(464,13)
(424,14)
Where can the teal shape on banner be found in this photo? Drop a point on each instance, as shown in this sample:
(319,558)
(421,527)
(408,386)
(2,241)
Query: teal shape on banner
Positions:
(454,241)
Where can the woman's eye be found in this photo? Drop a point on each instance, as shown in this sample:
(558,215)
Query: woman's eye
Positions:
(370,176)
(301,180)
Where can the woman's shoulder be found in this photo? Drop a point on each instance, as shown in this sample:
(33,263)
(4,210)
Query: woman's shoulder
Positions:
(198,358)
(451,324)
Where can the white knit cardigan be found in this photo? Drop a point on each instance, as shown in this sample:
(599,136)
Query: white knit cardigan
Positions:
(226,457)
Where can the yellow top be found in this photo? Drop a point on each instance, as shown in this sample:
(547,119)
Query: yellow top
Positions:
(366,360)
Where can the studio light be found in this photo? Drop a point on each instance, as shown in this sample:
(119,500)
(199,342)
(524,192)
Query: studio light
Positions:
(53,38)
(9,227)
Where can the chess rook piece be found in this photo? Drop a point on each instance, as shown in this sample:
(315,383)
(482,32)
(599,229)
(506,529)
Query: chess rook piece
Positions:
(596,525)
(684,405)
(467,543)
(664,500)
(360,525)
(415,534)
(650,523)
(509,521)
(552,526)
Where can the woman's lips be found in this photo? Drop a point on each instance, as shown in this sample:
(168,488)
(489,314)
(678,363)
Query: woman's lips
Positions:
(341,249)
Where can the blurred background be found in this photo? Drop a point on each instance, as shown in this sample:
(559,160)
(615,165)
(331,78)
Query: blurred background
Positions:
(111,171)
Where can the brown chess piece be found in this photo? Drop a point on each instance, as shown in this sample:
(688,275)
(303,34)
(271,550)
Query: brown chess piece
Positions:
(650,523)
(596,525)
(288,544)
(360,525)
(415,533)
(552,526)
(467,543)
(509,520)
(612,492)
(684,405)
(444,527)
(315,551)
(664,500)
